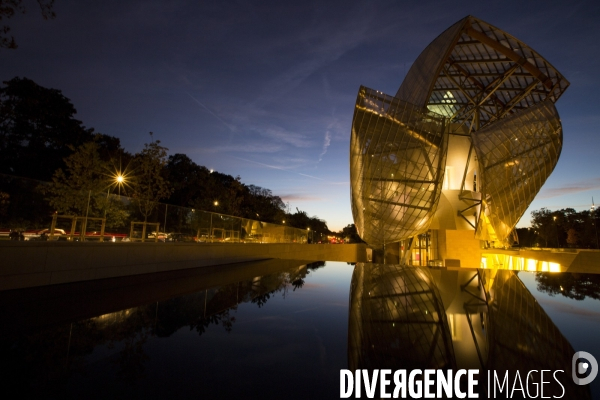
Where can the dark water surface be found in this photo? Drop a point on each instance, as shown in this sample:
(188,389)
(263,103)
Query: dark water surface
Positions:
(284,329)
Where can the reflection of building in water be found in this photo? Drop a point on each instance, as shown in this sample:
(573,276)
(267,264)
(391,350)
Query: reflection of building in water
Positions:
(456,156)
(397,320)
(405,317)
(523,337)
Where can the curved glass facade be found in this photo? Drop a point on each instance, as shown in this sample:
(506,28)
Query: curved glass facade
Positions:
(473,82)
(397,154)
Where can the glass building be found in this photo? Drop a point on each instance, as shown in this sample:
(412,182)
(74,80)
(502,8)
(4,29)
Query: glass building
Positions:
(456,156)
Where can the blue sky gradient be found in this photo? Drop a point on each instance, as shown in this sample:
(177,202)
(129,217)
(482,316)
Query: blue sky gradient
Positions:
(266,89)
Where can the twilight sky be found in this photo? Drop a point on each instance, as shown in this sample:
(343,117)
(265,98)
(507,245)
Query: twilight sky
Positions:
(266,89)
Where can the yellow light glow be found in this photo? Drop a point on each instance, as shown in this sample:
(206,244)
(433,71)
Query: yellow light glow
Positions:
(520,264)
(553,267)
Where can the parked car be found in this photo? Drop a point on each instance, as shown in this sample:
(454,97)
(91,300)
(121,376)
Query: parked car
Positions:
(179,237)
(161,236)
(41,234)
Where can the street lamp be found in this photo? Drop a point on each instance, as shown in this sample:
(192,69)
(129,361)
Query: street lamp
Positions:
(120,179)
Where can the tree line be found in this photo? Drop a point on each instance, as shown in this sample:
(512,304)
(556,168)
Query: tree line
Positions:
(561,228)
(50,162)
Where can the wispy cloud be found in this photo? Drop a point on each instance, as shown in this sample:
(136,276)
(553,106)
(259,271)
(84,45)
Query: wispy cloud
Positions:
(323,44)
(257,147)
(230,127)
(326,143)
(279,168)
(582,186)
(300,197)
(292,162)
(281,135)
(290,171)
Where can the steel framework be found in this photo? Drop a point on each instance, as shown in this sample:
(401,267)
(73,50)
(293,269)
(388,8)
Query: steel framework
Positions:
(473,80)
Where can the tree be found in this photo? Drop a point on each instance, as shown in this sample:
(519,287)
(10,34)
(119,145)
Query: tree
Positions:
(8,8)
(4,203)
(71,192)
(350,234)
(542,222)
(301,220)
(189,180)
(527,237)
(261,201)
(572,237)
(565,226)
(228,192)
(37,129)
(150,185)
(84,188)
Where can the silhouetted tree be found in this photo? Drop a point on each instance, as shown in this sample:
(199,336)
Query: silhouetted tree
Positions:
(565,226)
(350,234)
(527,237)
(37,129)
(572,237)
(150,185)
(4,203)
(546,227)
(189,180)
(8,8)
(261,201)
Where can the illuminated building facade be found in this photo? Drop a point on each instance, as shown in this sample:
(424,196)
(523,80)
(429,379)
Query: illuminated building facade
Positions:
(463,147)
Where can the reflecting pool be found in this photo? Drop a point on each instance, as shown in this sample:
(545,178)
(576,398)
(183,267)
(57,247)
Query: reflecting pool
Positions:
(285,329)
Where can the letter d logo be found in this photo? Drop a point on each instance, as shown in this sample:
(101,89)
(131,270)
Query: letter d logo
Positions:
(583,367)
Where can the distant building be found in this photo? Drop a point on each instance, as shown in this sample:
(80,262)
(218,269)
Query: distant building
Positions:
(456,156)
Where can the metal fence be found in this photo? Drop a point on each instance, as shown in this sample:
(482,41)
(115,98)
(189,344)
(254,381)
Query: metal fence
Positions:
(170,223)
